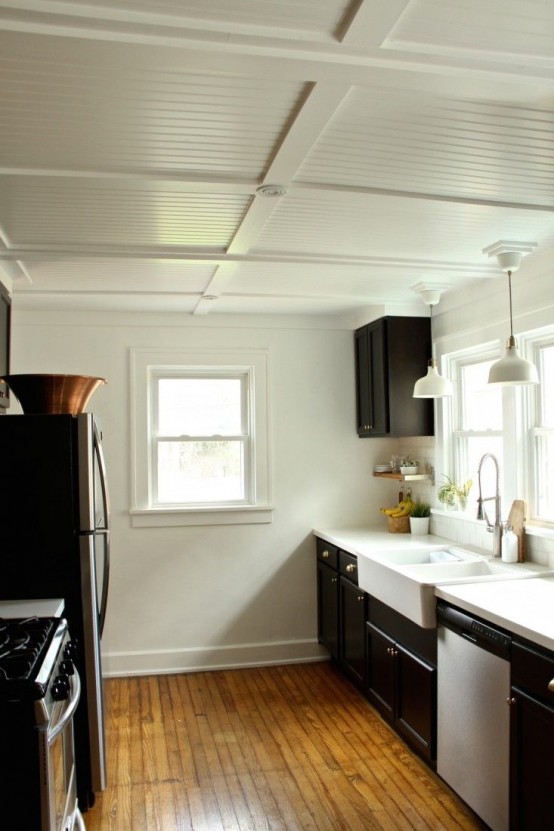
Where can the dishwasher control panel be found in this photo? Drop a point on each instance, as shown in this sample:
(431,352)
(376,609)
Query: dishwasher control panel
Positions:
(475,630)
(493,636)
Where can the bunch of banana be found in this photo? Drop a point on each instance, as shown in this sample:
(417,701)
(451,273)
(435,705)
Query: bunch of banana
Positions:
(403,508)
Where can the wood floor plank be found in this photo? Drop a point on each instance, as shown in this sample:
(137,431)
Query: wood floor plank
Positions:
(290,748)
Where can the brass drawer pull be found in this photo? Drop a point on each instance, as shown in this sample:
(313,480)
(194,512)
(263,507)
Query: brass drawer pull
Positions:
(350,568)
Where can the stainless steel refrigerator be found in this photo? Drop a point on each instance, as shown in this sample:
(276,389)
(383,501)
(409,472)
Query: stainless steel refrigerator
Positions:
(54,542)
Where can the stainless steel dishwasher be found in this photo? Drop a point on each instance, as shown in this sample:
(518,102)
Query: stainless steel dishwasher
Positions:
(473,718)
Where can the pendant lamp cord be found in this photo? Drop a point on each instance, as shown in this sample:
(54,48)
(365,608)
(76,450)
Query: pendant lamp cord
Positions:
(431,331)
(510,294)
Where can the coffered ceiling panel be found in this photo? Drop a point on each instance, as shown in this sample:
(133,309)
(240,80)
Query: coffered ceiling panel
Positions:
(278,156)
(501,27)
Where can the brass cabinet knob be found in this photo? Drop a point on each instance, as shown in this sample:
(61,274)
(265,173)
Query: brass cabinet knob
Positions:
(325,554)
(350,568)
(511,701)
(334,579)
(360,597)
(551,685)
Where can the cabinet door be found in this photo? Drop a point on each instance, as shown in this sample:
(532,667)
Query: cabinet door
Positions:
(353,606)
(531,755)
(371,380)
(363,409)
(328,608)
(380,670)
(416,691)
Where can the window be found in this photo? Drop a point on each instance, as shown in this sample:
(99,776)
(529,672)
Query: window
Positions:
(516,424)
(200,438)
(477,422)
(541,428)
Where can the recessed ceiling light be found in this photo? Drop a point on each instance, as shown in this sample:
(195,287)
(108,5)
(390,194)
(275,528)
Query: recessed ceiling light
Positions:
(271,191)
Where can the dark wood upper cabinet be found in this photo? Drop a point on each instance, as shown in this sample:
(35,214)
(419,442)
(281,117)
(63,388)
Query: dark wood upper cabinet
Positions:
(391,354)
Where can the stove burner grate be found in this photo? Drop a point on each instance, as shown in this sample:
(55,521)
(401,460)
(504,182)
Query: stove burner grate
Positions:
(22,643)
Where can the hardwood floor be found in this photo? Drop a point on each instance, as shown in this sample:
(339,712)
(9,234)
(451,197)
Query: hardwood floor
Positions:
(281,748)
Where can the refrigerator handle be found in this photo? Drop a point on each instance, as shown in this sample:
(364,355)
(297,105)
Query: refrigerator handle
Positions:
(105,531)
(103,478)
(105,579)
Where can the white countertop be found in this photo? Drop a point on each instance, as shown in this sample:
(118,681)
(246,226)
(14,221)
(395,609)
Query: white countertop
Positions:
(31,608)
(366,541)
(524,607)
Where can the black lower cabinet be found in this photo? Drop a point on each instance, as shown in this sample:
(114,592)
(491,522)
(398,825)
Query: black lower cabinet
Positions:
(390,659)
(328,608)
(341,610)
(532,738)
(353,614)
(401,683)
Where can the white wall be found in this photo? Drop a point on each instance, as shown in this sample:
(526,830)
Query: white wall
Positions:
(182,598)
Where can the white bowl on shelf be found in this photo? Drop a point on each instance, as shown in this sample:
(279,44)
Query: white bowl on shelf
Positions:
(407,470)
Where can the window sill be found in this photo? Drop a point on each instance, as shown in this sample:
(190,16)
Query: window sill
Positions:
(167,517)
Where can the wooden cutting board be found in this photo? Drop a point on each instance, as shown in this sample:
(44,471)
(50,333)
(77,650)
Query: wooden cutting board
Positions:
(516,518)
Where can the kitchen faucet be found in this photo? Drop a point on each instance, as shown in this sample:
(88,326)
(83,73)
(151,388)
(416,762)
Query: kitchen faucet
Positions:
(495,529)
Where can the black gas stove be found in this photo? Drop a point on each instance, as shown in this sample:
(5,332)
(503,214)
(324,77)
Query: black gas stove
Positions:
(29,653)
(39,694)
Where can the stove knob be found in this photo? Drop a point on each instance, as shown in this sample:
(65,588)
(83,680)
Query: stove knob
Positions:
(67,667)
(70,650)
(60,688)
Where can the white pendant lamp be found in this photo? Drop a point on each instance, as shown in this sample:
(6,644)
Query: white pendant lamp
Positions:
(511,370)
(432,385)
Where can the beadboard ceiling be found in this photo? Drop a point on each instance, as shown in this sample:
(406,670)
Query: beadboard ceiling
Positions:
(406,136)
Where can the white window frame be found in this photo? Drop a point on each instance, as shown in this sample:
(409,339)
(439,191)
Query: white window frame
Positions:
(521,414)
(147,365)
(531,346)
(455,438)
(244,438)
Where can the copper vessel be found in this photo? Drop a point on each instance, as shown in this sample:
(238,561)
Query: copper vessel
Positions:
(53,394)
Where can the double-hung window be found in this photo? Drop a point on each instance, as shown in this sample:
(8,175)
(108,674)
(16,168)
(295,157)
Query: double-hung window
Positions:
(476,424)
(541,429)
(201,438)
(201,446)
(515,424)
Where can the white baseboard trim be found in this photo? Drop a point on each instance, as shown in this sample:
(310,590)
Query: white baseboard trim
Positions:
(204,659)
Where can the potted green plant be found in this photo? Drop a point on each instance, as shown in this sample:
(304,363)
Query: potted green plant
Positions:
(454,496)
(408,465)
(420,513)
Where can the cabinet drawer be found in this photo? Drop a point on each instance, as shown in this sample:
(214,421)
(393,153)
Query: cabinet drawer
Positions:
(328,553)
(533,671)
(348,565)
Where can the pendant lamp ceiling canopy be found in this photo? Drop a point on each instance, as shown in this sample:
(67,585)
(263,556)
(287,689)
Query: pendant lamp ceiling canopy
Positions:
(511,370)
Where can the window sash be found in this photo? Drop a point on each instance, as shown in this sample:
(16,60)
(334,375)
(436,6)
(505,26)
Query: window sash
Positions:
(244,439)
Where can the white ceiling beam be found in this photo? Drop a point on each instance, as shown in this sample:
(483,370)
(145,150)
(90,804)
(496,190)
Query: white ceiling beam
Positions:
(312,117)
(373,21)
(38,254)
(301,60)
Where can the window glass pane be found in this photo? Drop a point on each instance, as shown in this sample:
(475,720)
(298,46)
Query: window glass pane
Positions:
(199,406)
(481,404)
(200,471)
(547,385)
(545,483)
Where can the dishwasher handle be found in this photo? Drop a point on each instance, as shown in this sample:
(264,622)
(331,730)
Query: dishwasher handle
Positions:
(473,629)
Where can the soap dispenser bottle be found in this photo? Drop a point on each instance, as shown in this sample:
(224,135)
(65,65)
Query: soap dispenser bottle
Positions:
(509,546)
